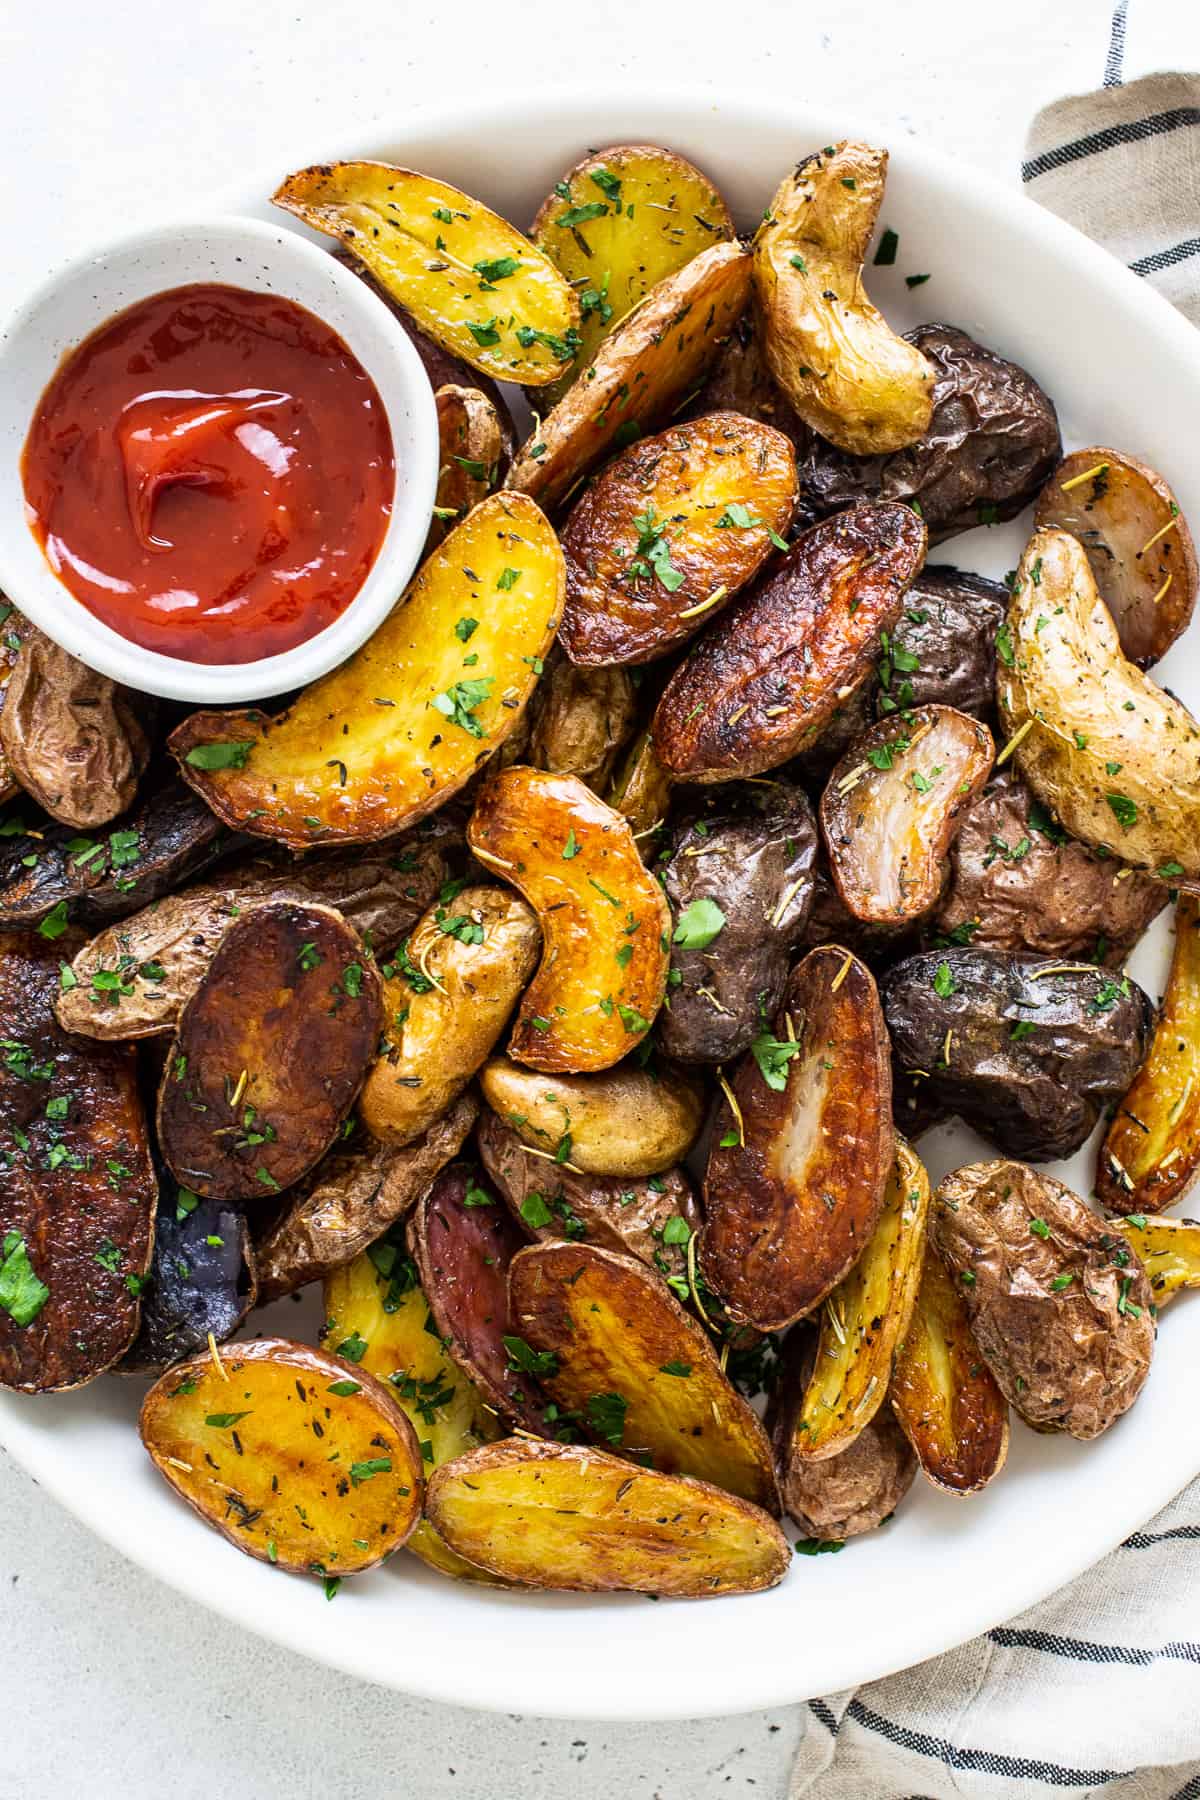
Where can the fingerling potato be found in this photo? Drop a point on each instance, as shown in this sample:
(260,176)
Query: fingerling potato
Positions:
(641,790)
(942,651)
(624,1121)
(471,449)
(581,720)
(202,1279)
(1168,1250)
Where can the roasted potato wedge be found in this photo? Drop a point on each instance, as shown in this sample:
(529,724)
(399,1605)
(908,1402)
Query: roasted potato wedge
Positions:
(759,686)
(943,1394)
(641,790)
(842,367)
(1168,1250)
(893,805)
(297,1458)
(270,1053)
(561,1516)
(202,1280)
(1151,1154)
(640,374)
(1066,1329)
(605,924)
(78,1199)
(1136,540)
(674,527)
(618,223)
(581,720)
(468,277)
(391,734)
(471,440)
(803,1150)
(13,624)
(625,1121)
(1115,757)
(639,1373)
(446,1001)
(942,651)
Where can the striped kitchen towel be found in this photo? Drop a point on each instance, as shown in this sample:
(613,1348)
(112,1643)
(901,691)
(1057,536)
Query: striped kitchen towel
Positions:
(1097,1690)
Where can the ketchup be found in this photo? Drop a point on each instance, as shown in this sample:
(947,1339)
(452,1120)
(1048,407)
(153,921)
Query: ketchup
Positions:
(211,474)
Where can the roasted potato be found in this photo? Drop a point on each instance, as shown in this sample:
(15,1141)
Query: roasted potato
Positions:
(641,790)
(1066,1329)
(319,1474)
(1151,1154)
(201,1282)
(581,720)
(1026,1049)
(605,924)
(403,724)
(832,922)
(468,277)
(738,876)
(674,527)
(1115,757)
(739,381)
(1137,543)
(625,1121)
(844,370)
(471,449)
(1168,1250)
(943,1394)
(893,806)
(446,1000)
(270,1053)
(561,1516)
(802,1148)
(762,682)
(641,372)
(13,624)
(78,1199)
(942,649)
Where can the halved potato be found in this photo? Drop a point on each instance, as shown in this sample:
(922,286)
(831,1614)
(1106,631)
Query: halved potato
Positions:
(1151,1154)
(636,1369)
(1137,542)
(581,720)
(845,371)
(561,1516)
(641,788)
(270,1053)
(625,1121)
(669,532)
(893,806)
(943,1393)
(796,1176)
(640,374)
(400,726)
(202,1280)
(471,440)
(618,223)
(605,924)
(298,1458)
(774,669)
(468,277)
(1168,1250)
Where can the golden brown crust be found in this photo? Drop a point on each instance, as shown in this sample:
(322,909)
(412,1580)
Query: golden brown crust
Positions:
(943,1393)
(623,1121)
(471,453)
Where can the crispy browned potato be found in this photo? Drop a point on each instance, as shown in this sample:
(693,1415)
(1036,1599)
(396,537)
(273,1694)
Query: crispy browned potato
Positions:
(641,790)
(471,440)
(1168,1250)
(624,1121)
(802,1153)
(298,1458)
(1136,540)
(1061,1311)
(893,805)
(670,531)
(842,367)
(640,374)
(404,723)
(78,1198)
(13,631)
(562,1516)
(759,686)
(605,924)
(468,277)
(446,1000)
(581,720)
(943,1393)
(357,1190)
(1151,1155)
(70,737)
(202,1280)
(270,1053)
(739,381)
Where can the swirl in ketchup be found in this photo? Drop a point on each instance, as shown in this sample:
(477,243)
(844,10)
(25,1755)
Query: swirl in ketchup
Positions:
(211,473)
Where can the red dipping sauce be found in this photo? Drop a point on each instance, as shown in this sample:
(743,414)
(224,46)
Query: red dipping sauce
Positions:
(211,473)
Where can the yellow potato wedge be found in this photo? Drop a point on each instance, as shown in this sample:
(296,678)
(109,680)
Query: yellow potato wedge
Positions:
(471,441)
(845,371)
(467,277)
(298,1458)
(560,1516)
(1168,1250)
(605,923)
(393,732)
(625,1121)
(640,1373)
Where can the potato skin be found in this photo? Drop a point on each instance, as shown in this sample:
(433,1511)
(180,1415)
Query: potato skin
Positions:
(1168,1250)
(641,788)
(680,484)
(846,1495)
(949,626)
(943,1394)
(762,682)
(471,450)
(751,852)
(10,648)
(580,720)
(622,1121)
(202,1280)
(1069,1354)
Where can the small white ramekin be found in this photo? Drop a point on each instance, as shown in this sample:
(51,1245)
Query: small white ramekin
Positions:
(241,253)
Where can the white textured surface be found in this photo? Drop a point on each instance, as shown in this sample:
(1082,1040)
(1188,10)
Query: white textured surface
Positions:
(112,1684)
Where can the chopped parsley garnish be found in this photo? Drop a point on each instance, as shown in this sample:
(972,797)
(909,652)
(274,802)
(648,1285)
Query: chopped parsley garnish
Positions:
(944,983)
(22,1293)
(699,923)
(524,1360)
(458,704)
(773,1056)
(219,756)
